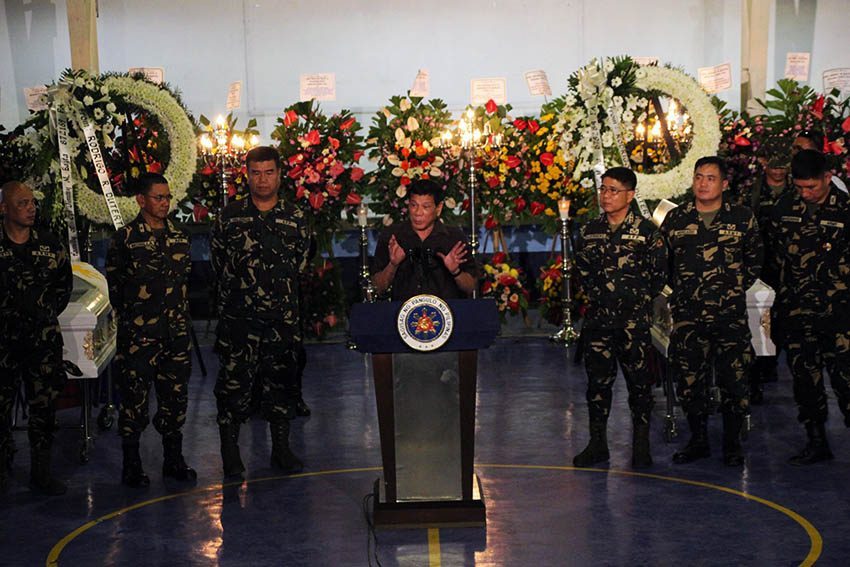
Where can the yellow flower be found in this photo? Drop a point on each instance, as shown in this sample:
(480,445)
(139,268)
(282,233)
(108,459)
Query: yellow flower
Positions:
(514,272)
(488,268)
(546,117)
(542,131)
(549,212)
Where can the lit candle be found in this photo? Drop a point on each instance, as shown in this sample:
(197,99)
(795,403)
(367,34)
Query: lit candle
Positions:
(564,208)
(361,214)
(255,141)
(206,143)
(238,142)
(220,121)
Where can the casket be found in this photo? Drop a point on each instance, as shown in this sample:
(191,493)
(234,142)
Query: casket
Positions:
(88,324)
(759,301)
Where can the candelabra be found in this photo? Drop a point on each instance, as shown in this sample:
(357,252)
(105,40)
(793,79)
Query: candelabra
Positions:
(366,286)
(470,140)
(223,149)
(566,335)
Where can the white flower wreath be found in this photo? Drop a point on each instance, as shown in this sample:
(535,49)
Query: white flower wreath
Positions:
(706,128)
(181,139)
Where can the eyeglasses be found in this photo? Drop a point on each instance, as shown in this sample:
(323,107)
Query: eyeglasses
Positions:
(605,189)
(160,198)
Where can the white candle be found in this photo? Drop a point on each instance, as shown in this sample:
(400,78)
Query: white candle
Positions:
(361,215)
(564,208)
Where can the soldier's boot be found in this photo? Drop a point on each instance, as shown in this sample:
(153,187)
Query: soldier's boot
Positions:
(40,478)
(597,449)
(132,473)
(302,409)
(733,453)
(231,461)
(697,447)
(173,463)
(816,450)
(282,456)
(641,456)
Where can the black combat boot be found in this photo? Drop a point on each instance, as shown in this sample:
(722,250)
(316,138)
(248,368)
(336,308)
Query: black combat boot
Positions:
(230,459)
(40,478)
(816,450)
(641,457)
(597,449)
(733,454)
(132,473)
(173,464)
(697,447)
(282,456)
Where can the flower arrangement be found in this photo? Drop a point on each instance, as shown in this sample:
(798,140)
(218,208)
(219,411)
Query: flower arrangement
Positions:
(111,103)
(502,169)
(322,298)
(549,284)
(502,282)
(405,143)
(319,157)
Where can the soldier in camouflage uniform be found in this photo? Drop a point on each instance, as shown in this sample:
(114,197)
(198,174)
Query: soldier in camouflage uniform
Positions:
(774,181)
(809,232)
(147,268)
(35,287)
(715,257)
(622,265)
(259,246)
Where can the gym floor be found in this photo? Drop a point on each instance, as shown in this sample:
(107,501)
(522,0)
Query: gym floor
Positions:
(531,421)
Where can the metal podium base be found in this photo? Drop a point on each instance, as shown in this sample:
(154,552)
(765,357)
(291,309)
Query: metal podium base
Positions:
(429,513)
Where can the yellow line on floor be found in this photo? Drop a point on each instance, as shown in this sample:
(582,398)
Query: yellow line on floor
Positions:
(433,547)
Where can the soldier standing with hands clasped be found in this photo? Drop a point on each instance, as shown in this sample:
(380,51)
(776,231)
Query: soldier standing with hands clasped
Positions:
(147,268)
(715,257)
(35,287)
(622,266)
(259,246)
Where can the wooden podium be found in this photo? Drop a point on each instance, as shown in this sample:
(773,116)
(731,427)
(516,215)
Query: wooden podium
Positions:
(426,415)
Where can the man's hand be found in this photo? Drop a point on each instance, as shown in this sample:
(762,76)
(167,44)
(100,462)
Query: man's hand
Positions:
(455,257)
(397,253)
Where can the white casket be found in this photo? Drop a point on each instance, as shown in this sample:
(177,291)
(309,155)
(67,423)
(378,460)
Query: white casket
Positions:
(759,301)
(88,323)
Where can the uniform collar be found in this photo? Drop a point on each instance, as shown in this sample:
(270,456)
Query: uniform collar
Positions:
(691,207)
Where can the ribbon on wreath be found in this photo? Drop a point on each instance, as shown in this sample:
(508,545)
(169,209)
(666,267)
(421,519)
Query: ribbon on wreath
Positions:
(102,172)
(61,122)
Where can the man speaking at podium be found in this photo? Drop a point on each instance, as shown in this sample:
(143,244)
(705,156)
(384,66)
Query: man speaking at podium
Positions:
(422,255)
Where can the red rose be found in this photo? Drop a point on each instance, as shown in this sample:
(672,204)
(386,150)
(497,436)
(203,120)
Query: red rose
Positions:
(742,141)
(405,152)
(347,124)
(356,174)
(405,165)
(405,180)
(499,258)
(199,212)
(519,204)
(547,159)
(290,118)
(491,106)
(520,124)
(353,199)
(513,161)
(533,126)
(537,208)
(486,287)
(490,223)
(507,280)
(424,176)
(313,137)
(493,181)
(316,199)
(334,142)
(155,167)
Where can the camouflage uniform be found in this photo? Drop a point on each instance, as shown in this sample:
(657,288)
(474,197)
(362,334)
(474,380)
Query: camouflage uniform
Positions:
(621,273)
(811,313)
(711,270)
(258,256)
(35,287)
(147,271)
